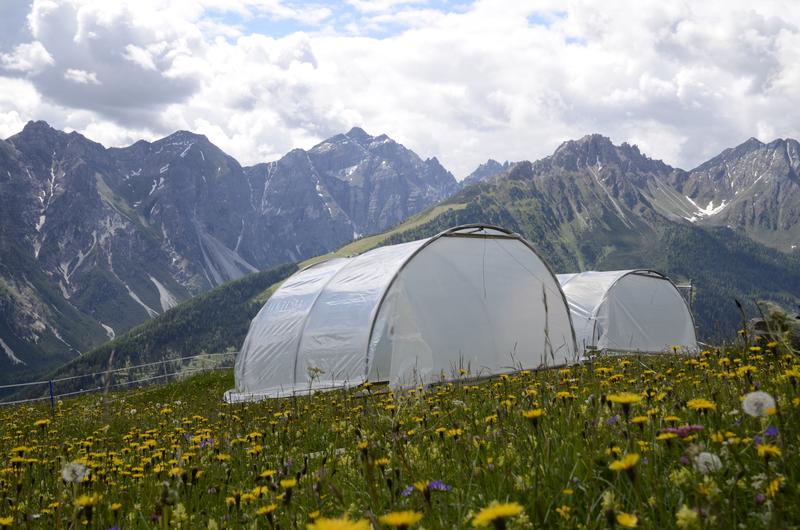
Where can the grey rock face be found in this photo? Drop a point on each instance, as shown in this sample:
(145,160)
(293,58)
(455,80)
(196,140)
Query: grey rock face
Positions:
(94,240)
(754,188)
(489,169)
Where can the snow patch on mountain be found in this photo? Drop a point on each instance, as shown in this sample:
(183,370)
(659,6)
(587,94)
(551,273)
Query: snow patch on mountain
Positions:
(708,211)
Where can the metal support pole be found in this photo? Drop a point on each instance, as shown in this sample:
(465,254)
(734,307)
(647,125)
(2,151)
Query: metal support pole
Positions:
(52,396)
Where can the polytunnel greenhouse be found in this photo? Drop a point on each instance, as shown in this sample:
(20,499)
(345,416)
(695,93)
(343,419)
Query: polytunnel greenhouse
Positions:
(628,311)
(475,300)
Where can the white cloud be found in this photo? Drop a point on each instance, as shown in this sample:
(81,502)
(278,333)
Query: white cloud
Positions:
(82,77)
(19,101)
(29,57)
(139,56)
(500,79)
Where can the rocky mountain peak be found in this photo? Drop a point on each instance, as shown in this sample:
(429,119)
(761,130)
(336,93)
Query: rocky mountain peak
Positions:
(37,131)
(38,126)
(485,171)
(183,136)
(359,135)
(598,151)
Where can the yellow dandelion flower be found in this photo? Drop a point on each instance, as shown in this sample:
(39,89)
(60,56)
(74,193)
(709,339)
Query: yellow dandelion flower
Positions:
(701,405)
(533,414)
(421,485)
(775,486)
(400,519)
(627,520)
(288,483)
(625,398)
(342,523)
(563,511)
(84,501)
(267,510)
(7,521)
(625,463)
(496,511)
(115,506)
(768,450)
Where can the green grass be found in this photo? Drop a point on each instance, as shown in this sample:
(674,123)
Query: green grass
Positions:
(177,456)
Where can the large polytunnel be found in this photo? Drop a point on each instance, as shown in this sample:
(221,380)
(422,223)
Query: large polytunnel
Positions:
(628,311)
(473,298)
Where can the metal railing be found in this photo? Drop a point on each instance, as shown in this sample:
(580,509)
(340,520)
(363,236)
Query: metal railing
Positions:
(114,379)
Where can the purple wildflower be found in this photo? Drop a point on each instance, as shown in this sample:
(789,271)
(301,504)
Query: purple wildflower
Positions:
(760,499)
(758,440)
(612,420)
(771,431)
(684,460)
(438,485)
(408,491)
(683,431)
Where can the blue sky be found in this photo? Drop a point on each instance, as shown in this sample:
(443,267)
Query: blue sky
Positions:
(343,13)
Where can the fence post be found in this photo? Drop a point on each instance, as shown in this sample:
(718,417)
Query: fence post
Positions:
(52,397)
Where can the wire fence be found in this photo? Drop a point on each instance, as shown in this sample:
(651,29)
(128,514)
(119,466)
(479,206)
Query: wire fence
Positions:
(114,379)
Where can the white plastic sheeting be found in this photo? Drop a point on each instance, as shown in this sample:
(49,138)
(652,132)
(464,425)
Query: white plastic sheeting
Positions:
(471,298)
(628,311)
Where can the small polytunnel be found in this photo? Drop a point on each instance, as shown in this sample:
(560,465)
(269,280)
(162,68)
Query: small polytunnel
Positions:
(628,311)
(475,298)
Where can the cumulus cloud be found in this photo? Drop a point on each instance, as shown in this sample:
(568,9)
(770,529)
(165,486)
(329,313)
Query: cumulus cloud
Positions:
(29,57)
(460,81)
(81,77)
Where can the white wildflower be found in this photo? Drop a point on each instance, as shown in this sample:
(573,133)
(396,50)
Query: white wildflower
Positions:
(74,472)
(758,404)
(707,463)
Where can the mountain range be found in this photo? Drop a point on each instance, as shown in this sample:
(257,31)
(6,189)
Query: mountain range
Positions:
(95,241)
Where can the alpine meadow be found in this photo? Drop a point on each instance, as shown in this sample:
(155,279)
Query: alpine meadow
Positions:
(399,264)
